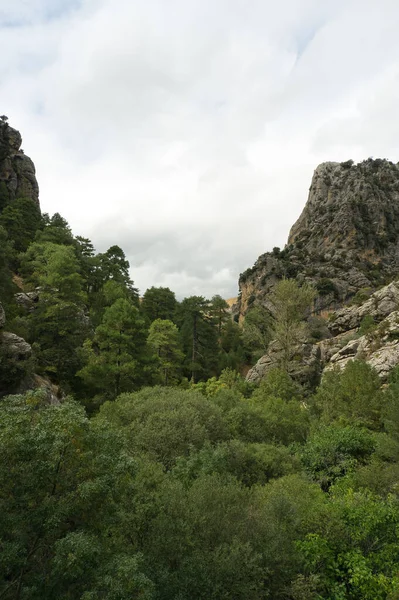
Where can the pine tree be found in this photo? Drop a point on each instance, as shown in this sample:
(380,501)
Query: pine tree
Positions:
(164,341)
(117,356)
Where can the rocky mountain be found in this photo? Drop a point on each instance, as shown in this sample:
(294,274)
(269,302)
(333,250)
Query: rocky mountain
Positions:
(345,242)
(17,171)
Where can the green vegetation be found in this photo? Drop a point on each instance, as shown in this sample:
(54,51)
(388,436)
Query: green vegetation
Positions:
(165,475)
(203,493)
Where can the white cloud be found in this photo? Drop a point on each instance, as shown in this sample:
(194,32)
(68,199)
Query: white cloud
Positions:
(187,131)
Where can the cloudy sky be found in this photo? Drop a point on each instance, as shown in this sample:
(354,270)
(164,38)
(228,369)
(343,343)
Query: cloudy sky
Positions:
(187,131)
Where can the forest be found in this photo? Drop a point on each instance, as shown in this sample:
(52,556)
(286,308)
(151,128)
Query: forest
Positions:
(161,473)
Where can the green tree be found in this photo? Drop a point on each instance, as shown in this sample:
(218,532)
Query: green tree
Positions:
(257,330)
(6,283)
(86,256)
(199,338)
(55,230)
(159,303)
(354,553)
(232,351)
(291,303)
(335,451)
(21,219)
(61,476)
(165,422)
(4,195)
(351,396)
(116,358)
(114,265)
(218,310)
(164,341)
(58,324)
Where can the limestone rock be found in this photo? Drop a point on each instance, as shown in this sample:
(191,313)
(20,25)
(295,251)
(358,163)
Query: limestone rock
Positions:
(2,317)
(28,300)
(379,348)
(52,393)
(304,368)
(17,171)
(382,303)
(14,346)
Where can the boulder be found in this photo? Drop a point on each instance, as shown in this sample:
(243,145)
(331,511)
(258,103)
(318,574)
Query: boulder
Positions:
(27,301)
(14,346)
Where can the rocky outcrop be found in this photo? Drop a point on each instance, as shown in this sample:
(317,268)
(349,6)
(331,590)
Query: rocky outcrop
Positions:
(14,347)
(381,304)
(27,300)
(378,346)
(17,171)
(304,368)
(345,242)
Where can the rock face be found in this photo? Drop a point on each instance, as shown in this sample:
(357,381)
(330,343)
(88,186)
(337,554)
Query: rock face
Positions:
(27,300)
(381,304)
(345,242)
(17,171)
(15,347)
(379,347)
(305,368)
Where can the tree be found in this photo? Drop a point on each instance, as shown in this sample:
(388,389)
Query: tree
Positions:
(58,324)
(257,330)
(199,337)
(116,358)
(291,303)
(55,230)
(354,552)
(61,476)
(163,339)
(335,451)
(4,195)
(115,266)
(21,219)
(6,283)
(159,303)
(232,351)
(219,312)
(351,396)
(86,256)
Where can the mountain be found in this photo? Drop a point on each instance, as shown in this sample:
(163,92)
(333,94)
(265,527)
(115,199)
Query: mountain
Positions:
(346,244)
(345,241)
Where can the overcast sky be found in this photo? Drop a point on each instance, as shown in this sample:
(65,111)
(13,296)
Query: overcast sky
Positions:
(187,131)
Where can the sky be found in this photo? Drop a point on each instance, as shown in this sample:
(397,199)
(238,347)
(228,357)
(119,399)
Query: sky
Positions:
(187,131)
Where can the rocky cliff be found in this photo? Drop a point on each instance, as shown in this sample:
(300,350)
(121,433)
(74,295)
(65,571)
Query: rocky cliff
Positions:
(369,332)
(17,171)
(345,242)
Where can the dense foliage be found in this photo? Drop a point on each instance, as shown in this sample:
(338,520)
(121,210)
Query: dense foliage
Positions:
(202,493)
(164,475)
